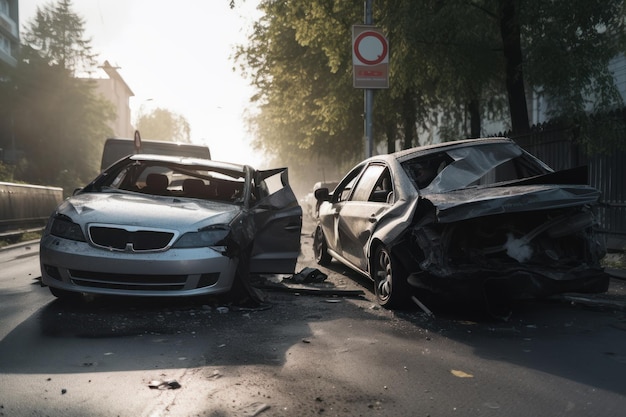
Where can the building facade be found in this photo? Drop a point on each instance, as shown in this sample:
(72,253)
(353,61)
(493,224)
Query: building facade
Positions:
(115,90)
(9,32)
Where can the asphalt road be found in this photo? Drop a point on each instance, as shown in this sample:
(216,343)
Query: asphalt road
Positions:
(300,355)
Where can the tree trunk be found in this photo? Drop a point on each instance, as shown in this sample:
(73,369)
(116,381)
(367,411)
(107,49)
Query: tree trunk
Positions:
(409,116)
(511,42)
(475,122)
(390,132)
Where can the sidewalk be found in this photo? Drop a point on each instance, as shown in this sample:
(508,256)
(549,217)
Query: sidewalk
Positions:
(616,273)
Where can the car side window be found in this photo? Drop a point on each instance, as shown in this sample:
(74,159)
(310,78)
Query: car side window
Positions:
(344,189)
(383,189)
(368,180)
(345,192)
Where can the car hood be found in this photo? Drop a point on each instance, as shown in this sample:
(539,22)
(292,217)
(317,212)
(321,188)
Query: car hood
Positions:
(145,211)
(478,202)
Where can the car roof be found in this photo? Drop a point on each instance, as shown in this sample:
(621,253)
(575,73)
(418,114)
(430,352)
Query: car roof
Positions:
(406,154)
(188,161)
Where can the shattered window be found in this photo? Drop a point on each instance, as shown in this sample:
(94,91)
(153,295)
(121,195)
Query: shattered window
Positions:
(174,180)
(424,170)
(273,184)
(472,166)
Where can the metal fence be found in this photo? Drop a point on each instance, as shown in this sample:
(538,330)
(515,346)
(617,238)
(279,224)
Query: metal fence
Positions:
(561,149)
(25,207)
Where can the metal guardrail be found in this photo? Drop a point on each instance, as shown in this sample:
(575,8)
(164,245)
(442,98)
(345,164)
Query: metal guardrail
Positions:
(20,231)
(25,208)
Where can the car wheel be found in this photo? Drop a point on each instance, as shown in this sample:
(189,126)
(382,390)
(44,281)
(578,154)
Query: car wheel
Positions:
(320,248)
(390,284)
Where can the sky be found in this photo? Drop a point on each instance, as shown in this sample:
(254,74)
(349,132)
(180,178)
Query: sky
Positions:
(176,55)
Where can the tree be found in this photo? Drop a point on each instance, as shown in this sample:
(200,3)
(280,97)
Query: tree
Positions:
(162,124)
(477,55)
(567,49)
(452,66)
(509,18)
(299,64)
(60,120)
(443,55)
(57,36)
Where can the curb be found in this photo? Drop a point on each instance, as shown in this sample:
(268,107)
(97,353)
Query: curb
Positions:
(20,244)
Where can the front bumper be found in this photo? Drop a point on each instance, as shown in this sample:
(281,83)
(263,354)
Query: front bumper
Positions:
(79,267)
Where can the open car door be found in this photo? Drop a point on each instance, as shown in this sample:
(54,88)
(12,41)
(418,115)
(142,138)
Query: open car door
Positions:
(278,222)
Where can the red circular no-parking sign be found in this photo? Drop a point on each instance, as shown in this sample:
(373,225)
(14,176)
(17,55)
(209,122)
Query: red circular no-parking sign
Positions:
(370,48)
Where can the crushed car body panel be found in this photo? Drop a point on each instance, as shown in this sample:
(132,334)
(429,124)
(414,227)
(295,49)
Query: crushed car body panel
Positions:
(464,215)
(466,204)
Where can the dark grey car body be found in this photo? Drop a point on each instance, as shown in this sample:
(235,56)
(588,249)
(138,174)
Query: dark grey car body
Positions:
(488,219)
(153,225)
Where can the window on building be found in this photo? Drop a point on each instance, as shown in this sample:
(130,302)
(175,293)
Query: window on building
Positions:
(4,7)
(5,45)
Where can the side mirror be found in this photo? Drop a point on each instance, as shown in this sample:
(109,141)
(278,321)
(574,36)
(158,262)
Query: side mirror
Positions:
(322,194)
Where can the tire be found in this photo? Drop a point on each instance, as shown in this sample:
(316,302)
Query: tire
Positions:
(320,248)
(390,284)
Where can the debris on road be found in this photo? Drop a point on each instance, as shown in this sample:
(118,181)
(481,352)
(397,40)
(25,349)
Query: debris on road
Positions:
(422,306)
(308,275)
(310,281)
(307,290)
(461,374)
(162,385)
(259,408)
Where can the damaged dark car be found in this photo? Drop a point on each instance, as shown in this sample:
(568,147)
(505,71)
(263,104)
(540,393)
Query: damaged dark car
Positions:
(476,219)
(153,225)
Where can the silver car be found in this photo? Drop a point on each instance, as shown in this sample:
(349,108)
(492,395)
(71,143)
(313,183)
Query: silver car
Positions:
(468,220)
(155,225)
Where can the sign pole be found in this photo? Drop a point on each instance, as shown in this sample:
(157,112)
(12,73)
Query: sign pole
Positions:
(368,97)
(370,69)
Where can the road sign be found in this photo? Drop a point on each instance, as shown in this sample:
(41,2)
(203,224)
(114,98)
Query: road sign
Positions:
(370,57)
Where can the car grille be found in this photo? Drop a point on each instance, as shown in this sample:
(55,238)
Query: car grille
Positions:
(137,281)
(118,238)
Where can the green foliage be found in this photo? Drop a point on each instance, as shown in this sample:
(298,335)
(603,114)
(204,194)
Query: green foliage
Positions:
(6,172)
(568,48)
(57,35)
(453,65)
(60,121)
(298,59)
(162,124)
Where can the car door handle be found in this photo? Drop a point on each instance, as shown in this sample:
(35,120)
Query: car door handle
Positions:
(372,218)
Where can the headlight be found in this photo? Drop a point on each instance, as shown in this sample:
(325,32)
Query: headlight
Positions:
(63,227)
(210,237)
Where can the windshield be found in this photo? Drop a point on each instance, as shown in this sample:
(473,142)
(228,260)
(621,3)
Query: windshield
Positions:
(477,165)
(175,180)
